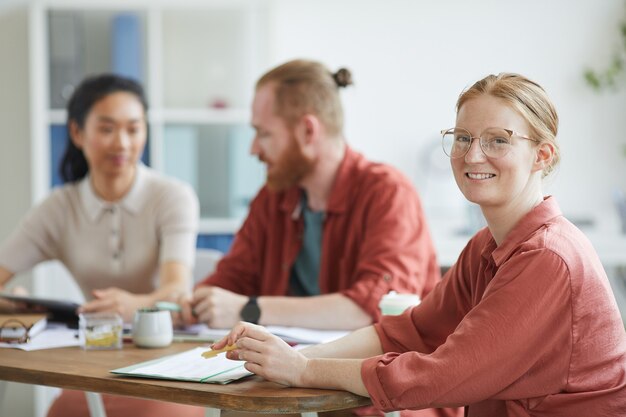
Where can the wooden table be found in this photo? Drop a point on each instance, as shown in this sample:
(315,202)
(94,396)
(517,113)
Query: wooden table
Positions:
(74,368)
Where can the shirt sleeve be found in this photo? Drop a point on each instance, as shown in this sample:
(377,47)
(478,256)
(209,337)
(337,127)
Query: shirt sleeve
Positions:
(522,323)
(396,251)
(178,225)
(239,270)
(36,238)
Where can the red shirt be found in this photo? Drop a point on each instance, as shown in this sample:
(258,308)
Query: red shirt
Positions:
(375,239)
(527,328)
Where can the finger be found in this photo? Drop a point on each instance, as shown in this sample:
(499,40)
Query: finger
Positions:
(255,368)
(19,290)
(101,293)
(256,332)
(251,356)
(231,338)
(200,295)
(202,309)
(185,310)
(97,305)
(252,344)
(204,316)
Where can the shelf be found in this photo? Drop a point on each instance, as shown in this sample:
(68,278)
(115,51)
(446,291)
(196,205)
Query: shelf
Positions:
(201,116)
(178,116)
(216,226)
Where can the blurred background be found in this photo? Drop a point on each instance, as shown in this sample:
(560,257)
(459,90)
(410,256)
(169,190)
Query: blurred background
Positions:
(410,59)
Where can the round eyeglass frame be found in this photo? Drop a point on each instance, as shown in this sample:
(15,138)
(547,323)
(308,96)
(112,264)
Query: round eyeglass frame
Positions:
(510,132)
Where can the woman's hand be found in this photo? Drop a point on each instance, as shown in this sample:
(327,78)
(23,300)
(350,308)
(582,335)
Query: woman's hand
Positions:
(265,354)
(116,300)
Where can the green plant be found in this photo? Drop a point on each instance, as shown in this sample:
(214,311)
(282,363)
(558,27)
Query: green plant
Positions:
(610,76)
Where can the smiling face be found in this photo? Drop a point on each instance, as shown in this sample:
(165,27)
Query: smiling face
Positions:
(275,143)
(505,182)
(114,135)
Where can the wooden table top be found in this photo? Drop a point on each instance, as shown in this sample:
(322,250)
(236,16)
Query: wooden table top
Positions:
(75,368)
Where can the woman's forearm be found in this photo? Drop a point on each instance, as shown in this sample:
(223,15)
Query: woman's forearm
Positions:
(174,281)
(342,374)
(360,344)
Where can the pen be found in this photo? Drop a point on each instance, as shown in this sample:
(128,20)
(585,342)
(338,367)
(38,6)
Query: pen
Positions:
(212,353)
(167,305)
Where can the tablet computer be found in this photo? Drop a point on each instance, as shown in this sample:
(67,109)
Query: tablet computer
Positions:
(58,311)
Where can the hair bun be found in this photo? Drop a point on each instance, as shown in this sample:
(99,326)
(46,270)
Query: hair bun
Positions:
(343,77)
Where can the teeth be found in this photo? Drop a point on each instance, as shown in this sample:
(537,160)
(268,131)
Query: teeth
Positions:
(480,176)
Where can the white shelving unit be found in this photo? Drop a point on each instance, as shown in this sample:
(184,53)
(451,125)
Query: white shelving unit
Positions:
(199,62)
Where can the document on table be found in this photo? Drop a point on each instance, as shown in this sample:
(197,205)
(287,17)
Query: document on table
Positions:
(308,336)
(48,339)
(202,333)
(188,366)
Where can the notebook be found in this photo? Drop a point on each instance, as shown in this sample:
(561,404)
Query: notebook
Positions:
(188,366)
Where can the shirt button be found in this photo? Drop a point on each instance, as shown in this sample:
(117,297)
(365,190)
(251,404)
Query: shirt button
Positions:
(114,232)
(116,255)
(386,277)
(383,403)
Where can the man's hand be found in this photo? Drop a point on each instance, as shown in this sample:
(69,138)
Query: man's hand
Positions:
(117,301)
(215,306)
(265,354)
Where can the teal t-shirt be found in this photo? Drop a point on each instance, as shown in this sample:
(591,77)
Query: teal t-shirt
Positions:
(304,280)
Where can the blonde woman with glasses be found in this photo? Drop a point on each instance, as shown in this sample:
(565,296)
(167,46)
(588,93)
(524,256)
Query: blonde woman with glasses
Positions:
(524,324)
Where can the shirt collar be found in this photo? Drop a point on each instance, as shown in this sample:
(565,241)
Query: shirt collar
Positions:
(132,202)
(338,200)
(529,224)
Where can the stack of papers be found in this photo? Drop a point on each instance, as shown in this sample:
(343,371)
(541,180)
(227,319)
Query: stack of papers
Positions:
(306,336)
(189,366)
(294,335)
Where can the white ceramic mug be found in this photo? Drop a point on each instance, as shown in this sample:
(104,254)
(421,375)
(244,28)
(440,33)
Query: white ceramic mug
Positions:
(152,328)
(394,303)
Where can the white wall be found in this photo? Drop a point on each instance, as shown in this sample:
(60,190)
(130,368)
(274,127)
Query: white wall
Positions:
(411,59)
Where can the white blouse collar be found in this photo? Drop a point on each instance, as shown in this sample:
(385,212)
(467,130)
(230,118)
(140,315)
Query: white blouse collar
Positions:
(132,202)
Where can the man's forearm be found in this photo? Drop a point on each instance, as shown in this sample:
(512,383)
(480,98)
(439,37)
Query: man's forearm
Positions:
(331,311)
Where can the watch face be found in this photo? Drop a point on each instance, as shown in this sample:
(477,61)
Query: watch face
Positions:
(251,311)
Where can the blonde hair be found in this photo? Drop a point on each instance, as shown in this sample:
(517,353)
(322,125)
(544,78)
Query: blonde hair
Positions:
(529,99)
(303,87)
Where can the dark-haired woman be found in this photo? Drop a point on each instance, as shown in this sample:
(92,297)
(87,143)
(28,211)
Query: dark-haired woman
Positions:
(126,234)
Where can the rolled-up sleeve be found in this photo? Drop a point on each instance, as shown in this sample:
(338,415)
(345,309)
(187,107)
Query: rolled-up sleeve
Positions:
(513,330)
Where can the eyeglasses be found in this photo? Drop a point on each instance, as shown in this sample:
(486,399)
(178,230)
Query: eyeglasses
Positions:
(14,331)
(495,142)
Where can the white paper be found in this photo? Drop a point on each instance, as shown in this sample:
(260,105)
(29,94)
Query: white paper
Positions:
(191,365)
(201,333)
(301,335)
(48,339)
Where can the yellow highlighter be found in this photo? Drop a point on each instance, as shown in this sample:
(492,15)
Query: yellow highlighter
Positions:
(213,353)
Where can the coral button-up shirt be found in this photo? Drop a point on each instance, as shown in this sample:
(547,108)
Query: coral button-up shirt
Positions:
(527,328)
(375,239)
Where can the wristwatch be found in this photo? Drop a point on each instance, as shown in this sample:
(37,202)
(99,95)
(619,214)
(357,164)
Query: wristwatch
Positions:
(251,311)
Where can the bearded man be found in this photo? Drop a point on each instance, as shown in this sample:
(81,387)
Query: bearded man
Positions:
(330,233)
